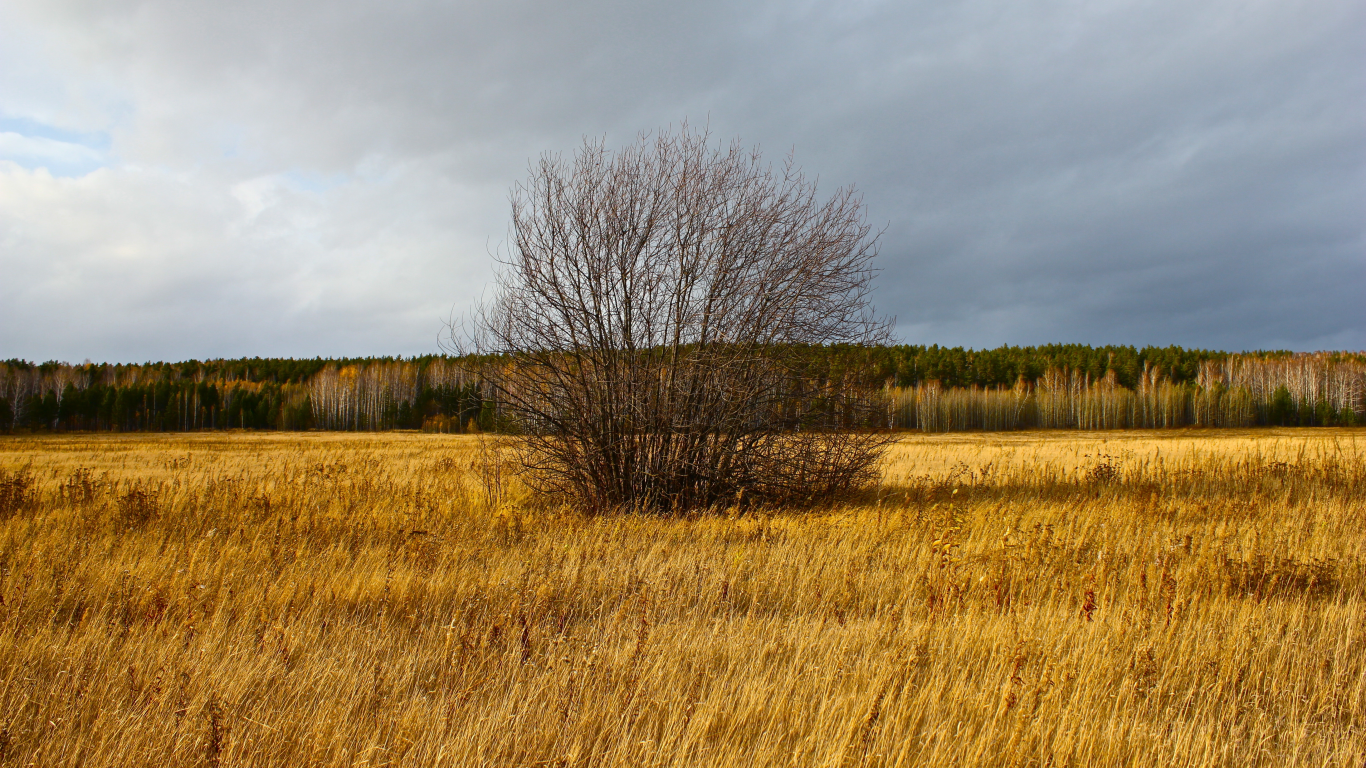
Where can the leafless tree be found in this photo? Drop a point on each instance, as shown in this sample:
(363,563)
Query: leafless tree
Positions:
(649,332)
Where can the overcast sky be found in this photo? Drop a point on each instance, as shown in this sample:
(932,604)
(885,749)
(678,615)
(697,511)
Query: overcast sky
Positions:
(194,179)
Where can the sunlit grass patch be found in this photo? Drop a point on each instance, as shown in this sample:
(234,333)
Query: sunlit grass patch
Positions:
(1178,598)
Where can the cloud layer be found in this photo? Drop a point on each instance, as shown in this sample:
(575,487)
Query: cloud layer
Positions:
(192,180)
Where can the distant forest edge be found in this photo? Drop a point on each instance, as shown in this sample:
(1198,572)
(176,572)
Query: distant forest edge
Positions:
(930,388)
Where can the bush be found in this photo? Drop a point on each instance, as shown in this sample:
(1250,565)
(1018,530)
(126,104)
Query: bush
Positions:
(652,325)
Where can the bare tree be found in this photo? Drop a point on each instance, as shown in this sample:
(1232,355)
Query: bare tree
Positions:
(649,333)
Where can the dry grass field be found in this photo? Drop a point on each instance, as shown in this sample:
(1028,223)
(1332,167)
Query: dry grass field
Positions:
(1049,599)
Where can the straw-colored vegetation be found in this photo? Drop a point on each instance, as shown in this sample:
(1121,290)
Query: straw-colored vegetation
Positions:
(1076,599)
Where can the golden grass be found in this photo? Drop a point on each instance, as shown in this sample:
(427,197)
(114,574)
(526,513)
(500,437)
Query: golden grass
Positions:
(1155,599)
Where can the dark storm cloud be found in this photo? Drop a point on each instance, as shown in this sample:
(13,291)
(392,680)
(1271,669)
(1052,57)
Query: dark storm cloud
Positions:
(326,178)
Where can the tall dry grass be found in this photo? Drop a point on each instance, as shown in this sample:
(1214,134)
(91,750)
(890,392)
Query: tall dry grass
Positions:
(1022,599)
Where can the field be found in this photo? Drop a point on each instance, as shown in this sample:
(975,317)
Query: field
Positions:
(1184,598)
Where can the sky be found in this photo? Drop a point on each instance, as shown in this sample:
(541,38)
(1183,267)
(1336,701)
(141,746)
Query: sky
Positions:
(198,180)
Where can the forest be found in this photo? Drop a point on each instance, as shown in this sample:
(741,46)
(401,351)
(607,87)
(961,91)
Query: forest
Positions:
(931,388)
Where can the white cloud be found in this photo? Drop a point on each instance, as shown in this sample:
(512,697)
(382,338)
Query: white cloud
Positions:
(44,151)
(142,264)
(257,194)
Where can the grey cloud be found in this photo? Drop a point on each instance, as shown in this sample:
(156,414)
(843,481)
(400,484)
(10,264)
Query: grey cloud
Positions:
(1169,172)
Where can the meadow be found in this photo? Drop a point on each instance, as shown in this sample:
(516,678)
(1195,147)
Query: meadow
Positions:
(1138,598)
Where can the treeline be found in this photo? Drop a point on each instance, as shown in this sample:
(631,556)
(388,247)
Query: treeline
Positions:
(927,387)
(956,367)
(433,393)
(1235,391)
